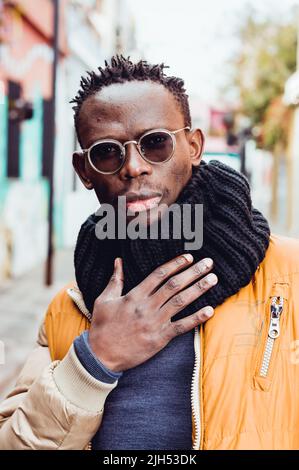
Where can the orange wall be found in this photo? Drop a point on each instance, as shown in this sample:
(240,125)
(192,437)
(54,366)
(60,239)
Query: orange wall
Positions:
(26,30)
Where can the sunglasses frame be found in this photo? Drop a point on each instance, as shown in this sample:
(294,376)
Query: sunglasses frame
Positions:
(172,134)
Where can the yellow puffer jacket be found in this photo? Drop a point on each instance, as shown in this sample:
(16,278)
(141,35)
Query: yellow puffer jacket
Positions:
(245,387)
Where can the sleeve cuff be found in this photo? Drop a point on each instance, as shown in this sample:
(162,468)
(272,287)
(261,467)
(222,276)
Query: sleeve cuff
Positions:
(78,386)
(90,361)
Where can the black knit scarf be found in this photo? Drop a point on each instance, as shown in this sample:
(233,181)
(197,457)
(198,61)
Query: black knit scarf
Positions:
(235,236)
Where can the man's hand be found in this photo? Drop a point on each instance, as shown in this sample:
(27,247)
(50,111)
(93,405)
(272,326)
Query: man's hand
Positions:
(128,330)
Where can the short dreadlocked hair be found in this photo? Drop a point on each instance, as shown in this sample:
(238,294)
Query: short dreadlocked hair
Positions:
(121,70)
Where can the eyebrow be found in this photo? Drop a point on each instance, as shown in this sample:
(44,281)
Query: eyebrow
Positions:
(140,133)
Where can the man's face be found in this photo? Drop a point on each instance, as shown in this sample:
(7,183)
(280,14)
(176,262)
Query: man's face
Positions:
(124,112)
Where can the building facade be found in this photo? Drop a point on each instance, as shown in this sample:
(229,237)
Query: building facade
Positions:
(90,31)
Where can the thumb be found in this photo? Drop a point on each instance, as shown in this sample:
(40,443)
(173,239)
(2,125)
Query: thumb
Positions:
(116,283)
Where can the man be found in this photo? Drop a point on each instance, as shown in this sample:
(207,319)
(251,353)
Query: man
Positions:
(148,350)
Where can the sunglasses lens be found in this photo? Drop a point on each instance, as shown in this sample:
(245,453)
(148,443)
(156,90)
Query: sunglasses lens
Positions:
(106,157)
(157,146)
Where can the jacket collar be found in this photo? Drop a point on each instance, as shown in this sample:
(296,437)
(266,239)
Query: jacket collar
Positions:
(77,297)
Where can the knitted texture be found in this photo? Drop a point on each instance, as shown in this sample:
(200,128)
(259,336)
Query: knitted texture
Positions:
(235,236)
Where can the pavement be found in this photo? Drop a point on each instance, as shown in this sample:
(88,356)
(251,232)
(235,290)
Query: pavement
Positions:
(23,305)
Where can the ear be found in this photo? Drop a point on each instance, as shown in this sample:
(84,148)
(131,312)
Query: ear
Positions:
(79,164)
(196,142)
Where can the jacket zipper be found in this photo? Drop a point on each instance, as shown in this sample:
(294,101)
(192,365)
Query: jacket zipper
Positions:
(195,391)
(276,309)
(76,296)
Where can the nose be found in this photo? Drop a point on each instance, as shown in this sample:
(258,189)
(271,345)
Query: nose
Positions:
(134,165)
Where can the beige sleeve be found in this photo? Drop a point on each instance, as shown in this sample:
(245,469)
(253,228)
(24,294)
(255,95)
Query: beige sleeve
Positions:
(54,405)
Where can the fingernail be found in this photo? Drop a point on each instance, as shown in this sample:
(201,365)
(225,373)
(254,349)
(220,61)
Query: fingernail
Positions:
(212,279)
(209,311)
(208,262)
(188,257)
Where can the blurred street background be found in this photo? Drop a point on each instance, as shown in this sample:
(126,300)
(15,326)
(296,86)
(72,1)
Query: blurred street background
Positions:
(240,63)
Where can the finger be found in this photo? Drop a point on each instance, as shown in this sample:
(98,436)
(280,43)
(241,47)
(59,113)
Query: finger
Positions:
(160,274)
(179,301)
(115,285)
(179,281)
(183,326)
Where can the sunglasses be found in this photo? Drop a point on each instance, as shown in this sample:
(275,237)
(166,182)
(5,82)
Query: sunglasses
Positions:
(157,146)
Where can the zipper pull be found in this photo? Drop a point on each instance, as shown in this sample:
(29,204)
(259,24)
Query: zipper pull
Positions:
(276,311)
(276,308)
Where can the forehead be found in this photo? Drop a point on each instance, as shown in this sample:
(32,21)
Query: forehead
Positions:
(126,109)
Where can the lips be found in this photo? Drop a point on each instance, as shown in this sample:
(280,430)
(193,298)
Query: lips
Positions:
(143,205)
(138,202)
